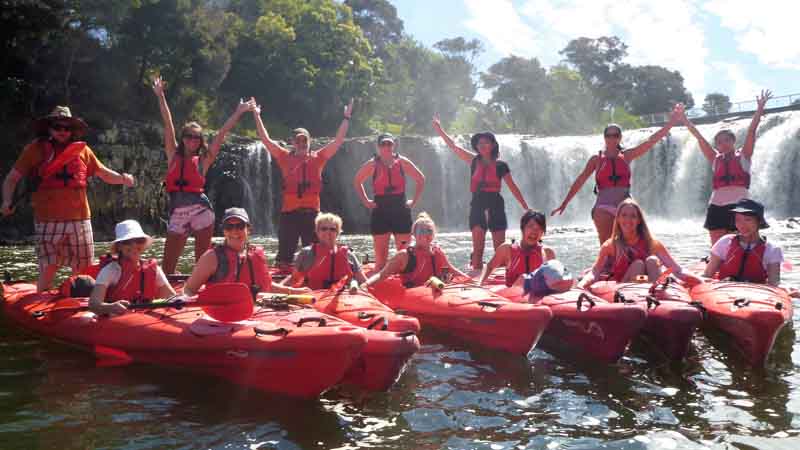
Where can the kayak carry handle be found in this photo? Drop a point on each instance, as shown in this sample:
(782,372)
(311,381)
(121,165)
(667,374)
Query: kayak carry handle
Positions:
(273,331)
(619,297)
(382,321)
(700,306)
(585,297)
(365,315)
(405,334)
(401,312)
(321,320)
(741,302)
(488,304)
(652,302)
(779,305)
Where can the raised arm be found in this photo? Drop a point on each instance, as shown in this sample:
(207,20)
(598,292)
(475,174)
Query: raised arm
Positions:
(419,179)
(216,144)
(705,147)
(591,166)
(750,140)
(645,146)
(329,150)
(170,144)
(275,150)
(500,258)
(463,154)
(362,175)
(515,191)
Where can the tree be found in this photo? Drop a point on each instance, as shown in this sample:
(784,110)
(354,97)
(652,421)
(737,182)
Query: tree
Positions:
(379,22)
(598,61)
(519,86)
(716,103)
(654,89)
(571,107)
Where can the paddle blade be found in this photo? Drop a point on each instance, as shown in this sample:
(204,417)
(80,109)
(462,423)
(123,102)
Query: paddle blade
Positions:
(226,302)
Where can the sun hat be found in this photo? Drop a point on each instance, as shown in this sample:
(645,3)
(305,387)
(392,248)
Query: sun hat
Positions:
(751,208)
(550,278)
(236,213)
(488,135)
(60,113)
(385,137)
(302,131)
(127,230)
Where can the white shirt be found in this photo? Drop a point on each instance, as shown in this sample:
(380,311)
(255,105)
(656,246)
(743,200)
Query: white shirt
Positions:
(772,254)
(110,274)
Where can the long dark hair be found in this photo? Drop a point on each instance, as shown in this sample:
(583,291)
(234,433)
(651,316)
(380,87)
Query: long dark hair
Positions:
(193,126)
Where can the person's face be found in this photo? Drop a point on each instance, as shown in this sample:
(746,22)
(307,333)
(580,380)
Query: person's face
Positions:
(485,146)
(192,139)
(236,233)
(328,233)
(628,219)
(424,234)
(612,136)
(301,142)
(724,142)
(60,131)
(386,149)
(132,249)
(746,224)
(532,233)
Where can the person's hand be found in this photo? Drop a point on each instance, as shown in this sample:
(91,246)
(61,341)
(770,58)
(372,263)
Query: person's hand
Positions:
(558,211)
(762,99)
(436,122)
(245,106)
(6,210)
(691,279)
(116,308)
(348,110)
(370,204)
(158,86)
(677,112)
(364,287)
(256,108)
(409,204)
(128,180)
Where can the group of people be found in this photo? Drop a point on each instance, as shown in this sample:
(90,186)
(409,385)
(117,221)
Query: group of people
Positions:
(57,165)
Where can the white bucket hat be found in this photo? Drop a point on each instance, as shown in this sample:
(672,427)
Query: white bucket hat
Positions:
(130,229)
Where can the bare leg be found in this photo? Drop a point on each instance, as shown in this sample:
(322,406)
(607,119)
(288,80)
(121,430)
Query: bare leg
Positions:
(202,241)
(498,237)
(717,233)
(604,223)
(478,243)
(173,248)
(381,244)
(653,268)
(46,276)
(635,269)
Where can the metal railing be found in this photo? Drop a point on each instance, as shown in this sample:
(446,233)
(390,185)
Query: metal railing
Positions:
(738,107)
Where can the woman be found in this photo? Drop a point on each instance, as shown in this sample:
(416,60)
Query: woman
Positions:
(188,161)
(612,173)
(125,278)
(746,255)
(391,211)
(323,264)
(632,251)
(525,257)
(731,168)
(487,208)
(419,262)
(235,260)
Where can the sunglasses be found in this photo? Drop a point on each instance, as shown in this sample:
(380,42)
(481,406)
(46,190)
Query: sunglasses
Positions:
(423,231)
(234,226)
(60,127)
(386,144)
(194,137)
(331,229)
(138,241)
(613,135)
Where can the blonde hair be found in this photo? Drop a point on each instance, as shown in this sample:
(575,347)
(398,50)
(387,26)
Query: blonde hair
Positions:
(192,126)
(328,218)
(423,218)
(642,230)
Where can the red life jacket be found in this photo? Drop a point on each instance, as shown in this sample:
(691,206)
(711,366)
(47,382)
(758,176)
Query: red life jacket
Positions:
(184,175)
(728,171)
(65,170)
(612,172)
(522,261)
(302,174)
(229,268)
(623,259)
(136,284)
(328,267)
(484,176)
(422,265)
(388,180)
(744,264)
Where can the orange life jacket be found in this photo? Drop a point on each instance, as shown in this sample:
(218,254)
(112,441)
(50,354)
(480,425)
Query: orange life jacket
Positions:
(422,265)
(522,261)
(743,264)
(612,172)
(136,284)
(484,176)
(184,174)
(728,171)
(64,170)
(623,259)
(388,180)
(229,268)
(302,175)
(328,267)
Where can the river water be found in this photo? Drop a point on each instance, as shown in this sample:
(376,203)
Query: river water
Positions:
(450,396)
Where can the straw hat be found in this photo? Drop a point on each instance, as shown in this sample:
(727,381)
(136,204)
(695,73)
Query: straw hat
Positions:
(61,114)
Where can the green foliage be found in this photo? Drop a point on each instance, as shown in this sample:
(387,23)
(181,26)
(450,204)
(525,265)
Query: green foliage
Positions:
(519,87)
(716,103)
(621,117)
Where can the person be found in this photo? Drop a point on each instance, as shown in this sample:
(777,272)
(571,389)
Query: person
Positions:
(188,161)
(301,170)
(487,208)
(417,263)
(390,210)
(746,255)
(525,257)
(632,251)
(731,168)
(612,173)
(59,164)
(235,260)
(126,278)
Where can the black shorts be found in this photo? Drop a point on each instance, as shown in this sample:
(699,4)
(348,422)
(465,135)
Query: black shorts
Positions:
(391,215)
(489,204)
(720,218)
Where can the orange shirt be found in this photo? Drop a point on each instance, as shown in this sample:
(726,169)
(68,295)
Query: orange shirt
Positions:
(52,205)
(288,164)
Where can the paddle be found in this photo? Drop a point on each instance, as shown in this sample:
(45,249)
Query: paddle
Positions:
(226,302)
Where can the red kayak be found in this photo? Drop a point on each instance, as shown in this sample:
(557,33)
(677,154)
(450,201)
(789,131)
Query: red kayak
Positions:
(585,323)
(298,352)
(391,337)
(672,316)
(469,312)
(752,314)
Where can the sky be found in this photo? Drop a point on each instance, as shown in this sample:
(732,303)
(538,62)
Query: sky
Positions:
(736,47)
